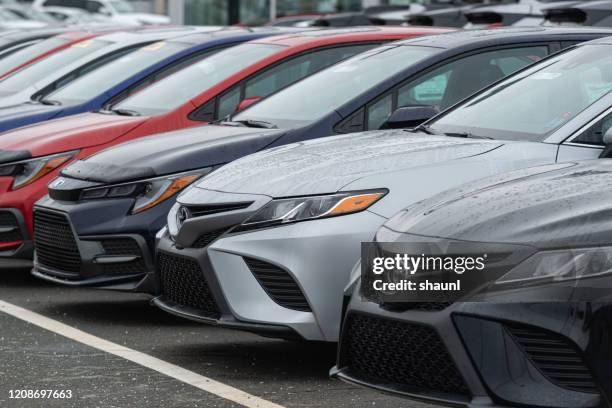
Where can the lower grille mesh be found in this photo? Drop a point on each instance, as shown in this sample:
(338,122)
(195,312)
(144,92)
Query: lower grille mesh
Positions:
(555,356)
(206,239)
(9,221)
(392,352)
(56,246)
(183,283)
(279,285)
(123,247)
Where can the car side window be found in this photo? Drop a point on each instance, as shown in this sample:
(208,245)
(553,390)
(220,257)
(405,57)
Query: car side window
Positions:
(454,81)
(288,72)
(228,102)
(594,134)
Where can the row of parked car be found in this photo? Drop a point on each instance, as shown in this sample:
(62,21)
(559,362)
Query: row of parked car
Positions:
(232,173)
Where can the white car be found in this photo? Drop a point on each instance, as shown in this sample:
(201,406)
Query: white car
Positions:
(74,16)
(118,11)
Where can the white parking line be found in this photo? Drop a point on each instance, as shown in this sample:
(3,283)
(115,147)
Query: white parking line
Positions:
(186,376)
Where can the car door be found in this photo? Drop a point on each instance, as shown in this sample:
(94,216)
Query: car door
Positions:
(445,84)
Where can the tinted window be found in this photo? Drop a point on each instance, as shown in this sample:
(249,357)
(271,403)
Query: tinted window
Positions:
(297,68)
(594,134)
(228,102)
(110,75)
(335,86)
(35,72)
(26,54)
(536,102)
(447,85)
(185,85)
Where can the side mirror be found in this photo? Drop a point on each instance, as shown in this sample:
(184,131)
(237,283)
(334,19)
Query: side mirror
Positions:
(409,116)
(246,102)
(607,141)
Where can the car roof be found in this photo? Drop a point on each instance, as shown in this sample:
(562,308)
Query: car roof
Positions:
(502,36)
(220,32)
(351,34)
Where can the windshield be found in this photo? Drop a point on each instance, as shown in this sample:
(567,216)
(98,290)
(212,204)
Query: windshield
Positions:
(24,78)
(107,76)
(188,83)
(26,54)
(121,6)
(335,86)
(536,102)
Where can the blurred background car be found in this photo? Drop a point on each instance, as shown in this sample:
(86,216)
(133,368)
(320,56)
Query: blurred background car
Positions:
(73,16)
(545,231)
(591,13)
(117,11)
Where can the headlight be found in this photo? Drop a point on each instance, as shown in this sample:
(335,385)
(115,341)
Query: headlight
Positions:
(28,171)
(147,193)
(561,265)
(288,210)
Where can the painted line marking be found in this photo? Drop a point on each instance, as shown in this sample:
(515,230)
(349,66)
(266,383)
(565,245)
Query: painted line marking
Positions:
(171,370)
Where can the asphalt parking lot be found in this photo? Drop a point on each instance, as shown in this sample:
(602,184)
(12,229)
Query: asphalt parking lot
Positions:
(289,374)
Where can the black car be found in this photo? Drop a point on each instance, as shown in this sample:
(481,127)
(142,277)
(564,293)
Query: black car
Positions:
(534,329)
(355,95)
(589,13)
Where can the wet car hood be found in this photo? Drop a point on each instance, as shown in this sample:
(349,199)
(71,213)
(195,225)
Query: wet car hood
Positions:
(29,109)
(326,165)
(67,134)
(547,206)
(172,152)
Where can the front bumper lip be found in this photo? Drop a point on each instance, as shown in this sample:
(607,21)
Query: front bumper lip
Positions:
(266,330)
(134,280)
(414,394)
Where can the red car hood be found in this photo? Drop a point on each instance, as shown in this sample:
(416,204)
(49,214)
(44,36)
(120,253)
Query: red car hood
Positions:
(71,133)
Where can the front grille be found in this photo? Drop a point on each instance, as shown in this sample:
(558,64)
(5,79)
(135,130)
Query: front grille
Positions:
(207,238)
(557,358)
(9,220)
(209,209)
(182,282)
(279,285)
(56,246)
(123,247)
(386,351)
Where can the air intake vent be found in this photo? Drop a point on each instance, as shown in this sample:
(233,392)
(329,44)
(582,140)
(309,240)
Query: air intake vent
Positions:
(182,282)
(279,285)
(56,246)
(207,238)
(395,353)
(557,358)
(9,227)
(123,247)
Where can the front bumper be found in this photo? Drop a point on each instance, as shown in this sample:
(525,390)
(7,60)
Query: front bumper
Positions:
(492,354)
(16,247)
(96,243)
(228,282)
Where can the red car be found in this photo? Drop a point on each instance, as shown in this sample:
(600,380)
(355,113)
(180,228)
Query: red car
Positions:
(205,91)
(40,50)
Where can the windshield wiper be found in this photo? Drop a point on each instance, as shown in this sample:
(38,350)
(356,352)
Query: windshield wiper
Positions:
(424,129)
(467,135)
(121,112)
(49,102)
(252,123)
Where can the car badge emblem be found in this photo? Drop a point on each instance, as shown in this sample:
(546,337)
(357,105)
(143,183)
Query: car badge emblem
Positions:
(182,215)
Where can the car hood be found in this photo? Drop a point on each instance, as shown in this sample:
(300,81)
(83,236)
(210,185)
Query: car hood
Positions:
(547,206)
(29,109)
(74,132)
(172,152)
(327,165)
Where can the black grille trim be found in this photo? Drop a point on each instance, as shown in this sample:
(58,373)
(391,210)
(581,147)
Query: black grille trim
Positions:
(123,247)
(405,355)
(208,238)
(183,283)
(557,357)
(209,209)
(9,220)
(56,246)
(278,284)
